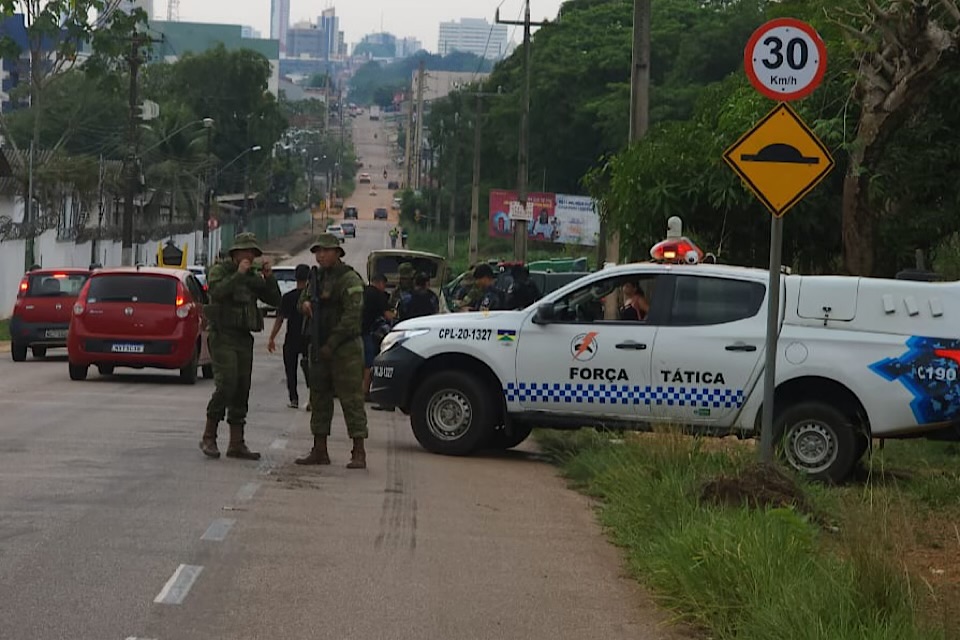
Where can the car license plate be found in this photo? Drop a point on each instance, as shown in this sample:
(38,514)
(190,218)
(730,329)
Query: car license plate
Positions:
(127,348)
(55,333)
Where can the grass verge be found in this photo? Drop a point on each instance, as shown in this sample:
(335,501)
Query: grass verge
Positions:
(4,330)
(489,248)
(842,570)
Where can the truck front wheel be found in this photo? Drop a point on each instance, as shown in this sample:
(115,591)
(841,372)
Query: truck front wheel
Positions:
(451,414)
(818,440)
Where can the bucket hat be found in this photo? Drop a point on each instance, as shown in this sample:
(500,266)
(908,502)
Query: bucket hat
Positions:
(246,241)
(327,241)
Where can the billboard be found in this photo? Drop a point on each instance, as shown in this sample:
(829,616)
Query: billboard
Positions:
(557,218)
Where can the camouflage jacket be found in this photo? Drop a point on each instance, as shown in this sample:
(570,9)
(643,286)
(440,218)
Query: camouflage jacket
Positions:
(341,306)
(233,298)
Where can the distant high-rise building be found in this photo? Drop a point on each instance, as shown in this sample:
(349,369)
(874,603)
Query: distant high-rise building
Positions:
(473,35)
(250,32)
(280,22)
(406,47)
(129,5)
(330,24)
(305,40)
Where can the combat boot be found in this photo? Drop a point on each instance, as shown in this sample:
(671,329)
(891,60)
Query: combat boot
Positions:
(317,455)
(208,444)
(237,448)
(359,455)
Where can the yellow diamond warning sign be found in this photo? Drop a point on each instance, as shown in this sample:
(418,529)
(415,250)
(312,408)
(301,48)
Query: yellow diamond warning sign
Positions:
(780,159)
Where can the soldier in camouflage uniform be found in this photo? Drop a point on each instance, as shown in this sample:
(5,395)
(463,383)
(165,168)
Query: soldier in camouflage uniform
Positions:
(407,273)
(234,287)
(336,368)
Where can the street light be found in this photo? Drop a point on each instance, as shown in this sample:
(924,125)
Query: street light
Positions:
(225,167)
(206,122)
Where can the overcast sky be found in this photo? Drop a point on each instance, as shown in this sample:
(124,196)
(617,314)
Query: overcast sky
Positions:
(403,18)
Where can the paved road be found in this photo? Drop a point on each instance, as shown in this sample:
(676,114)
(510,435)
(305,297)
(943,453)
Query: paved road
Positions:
(113,525)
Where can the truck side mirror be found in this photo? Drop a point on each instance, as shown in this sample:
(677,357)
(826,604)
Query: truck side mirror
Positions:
(545,314)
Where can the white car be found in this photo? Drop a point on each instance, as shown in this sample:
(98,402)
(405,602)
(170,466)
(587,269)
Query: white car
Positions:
(337,231)
(857,359)
(286,280)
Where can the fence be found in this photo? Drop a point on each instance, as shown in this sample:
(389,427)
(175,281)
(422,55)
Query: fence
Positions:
(51,252)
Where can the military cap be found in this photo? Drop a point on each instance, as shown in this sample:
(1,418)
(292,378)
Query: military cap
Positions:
(327,241)
(246,241)
(406,270)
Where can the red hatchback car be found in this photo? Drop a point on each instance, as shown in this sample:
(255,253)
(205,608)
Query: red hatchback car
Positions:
(41,315)
(139,317)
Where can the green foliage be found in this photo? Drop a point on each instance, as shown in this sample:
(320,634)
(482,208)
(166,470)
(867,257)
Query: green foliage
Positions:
(736,572)
(4,330)
(396,76)
(231,88)
(946,257)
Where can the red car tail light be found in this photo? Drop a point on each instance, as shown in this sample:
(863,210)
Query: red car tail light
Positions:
(183,308)
(24,285)
(80,305)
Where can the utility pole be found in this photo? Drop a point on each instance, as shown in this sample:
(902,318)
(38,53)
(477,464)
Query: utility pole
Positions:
(452,222)
(131,170)
(207,196)
(95,245)
(475,192)
(418,136)
(406,147)
(639,96)
(520,226)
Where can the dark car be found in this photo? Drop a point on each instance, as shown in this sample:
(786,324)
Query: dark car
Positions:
(41,314)
(350,213)
(349,229)
(380,213)
(138,318)
(393,185)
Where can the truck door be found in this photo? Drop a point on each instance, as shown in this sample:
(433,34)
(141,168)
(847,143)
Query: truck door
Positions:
(707,353)
(585,360)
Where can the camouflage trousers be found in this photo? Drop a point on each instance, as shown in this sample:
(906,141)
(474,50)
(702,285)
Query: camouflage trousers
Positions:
(232,355)
(341,376)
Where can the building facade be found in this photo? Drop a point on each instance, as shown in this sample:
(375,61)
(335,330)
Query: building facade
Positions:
(307,41)
(249,32)
(280,22)
(406,47)
(473,35)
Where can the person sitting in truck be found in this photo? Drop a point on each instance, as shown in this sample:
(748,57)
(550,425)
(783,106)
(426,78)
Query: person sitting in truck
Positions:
(635,306)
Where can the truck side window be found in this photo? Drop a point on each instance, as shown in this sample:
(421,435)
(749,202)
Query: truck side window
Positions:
(589,303)
(700,300)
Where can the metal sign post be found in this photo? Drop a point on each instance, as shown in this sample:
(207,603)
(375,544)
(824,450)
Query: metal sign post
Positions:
(781,160)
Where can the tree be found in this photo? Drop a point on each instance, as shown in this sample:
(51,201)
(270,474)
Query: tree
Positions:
(902,46)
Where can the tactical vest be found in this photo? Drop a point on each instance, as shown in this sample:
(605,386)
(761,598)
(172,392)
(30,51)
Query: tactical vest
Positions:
(240,313)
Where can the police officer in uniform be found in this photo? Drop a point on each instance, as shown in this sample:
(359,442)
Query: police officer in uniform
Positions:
(235,285)
(340,353)
(488,297)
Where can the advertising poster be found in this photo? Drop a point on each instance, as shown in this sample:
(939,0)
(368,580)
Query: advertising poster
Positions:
(557,218)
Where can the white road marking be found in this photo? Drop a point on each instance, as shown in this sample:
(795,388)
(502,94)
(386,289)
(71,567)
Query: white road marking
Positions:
(279,443)
(217,532)
(247,491)
(179,584)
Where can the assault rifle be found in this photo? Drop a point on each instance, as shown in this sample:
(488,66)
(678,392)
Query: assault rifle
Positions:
(315,340)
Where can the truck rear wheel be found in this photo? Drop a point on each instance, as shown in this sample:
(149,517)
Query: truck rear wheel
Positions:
(819,441)
(451,414)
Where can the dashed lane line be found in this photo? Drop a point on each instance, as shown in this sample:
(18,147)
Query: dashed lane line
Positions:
(179,584)
(218,530)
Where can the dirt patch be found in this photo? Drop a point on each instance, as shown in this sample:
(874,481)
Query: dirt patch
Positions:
(290,479)
(758,486)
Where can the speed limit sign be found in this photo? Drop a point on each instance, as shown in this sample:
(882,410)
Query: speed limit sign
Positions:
(785,59)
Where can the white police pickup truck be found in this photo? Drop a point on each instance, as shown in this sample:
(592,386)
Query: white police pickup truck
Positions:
(857,358)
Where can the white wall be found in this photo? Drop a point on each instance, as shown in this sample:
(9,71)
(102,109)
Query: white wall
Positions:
(50,252)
